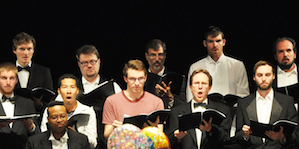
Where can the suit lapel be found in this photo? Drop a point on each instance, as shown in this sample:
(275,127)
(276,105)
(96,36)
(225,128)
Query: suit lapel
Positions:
(46,143)
(276,110)
(72,141)
(251,109)
(187,110)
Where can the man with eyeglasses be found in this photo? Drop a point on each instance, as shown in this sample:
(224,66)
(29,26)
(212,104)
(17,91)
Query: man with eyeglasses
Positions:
(68,90)
(59,136)
(155,55)
(89,63)
(132,101)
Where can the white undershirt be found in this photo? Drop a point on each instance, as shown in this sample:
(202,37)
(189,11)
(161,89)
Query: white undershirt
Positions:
(23,75)
(61,143)
(8,107)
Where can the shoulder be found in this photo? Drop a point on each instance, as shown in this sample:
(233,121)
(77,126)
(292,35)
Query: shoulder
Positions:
(151,96)
(72,133)
(39,67)
(219,105)
(115,96)
(40,136)
(283,97)
(246,99)
(20,99)
(233,61)
(199,62)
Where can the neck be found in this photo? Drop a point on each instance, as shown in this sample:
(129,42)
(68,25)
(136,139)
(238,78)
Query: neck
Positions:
(291,69)
(216,58)
(58,135)
(264,93)
(133,96)
(23,64)
(6,94)
(91,79)
(72,107)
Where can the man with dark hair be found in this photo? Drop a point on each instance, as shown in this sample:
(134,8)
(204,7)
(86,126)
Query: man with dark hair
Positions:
(89,62)
(30,74)
(155,55)
(229,74)
(68,90)
(208,135)
(59,136)
(265,106)
(132,101)
(14,105)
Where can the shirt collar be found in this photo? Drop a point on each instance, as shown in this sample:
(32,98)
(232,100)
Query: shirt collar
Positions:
(280,71)
(85,82)
(17,64)
(269,96)
(64,138)
(160,73)
(11,96)
(220,60)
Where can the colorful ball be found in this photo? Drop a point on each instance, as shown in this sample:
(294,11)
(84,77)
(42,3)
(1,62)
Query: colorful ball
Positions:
(157,136)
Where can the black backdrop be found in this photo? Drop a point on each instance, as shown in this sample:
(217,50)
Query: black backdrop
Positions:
(121,29)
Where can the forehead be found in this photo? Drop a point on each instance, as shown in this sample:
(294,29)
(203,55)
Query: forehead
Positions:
(200,77)
(9,73)
(218,37)
(26,44)
(159,50)
(285,44)
(68,81)
(264,69)
(90,56)
(57,109)
(135,73)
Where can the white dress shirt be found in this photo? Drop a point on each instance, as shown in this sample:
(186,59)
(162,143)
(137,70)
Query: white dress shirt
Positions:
(88,87)
(23,75)
(286,78)
(61,143)
(8,107)
(229,76)
(197,130)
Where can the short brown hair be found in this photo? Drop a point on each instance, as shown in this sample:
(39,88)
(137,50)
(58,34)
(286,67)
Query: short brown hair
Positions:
(8,66)
(201,71)
(22,38)
(261,63)
(134,64)
(87,49)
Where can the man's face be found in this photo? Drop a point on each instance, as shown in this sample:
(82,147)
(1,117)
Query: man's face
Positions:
(57,119)
(156,58)
(8,80)
(200,87)
(285,54)
(135,80)
(264,77)
(24,53)
(214,45)
(89,70)
(68,91)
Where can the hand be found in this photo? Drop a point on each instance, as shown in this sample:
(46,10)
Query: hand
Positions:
(152,123)
(208,125)
(117,124)
(179,134)
(71,128)
(4,124)
(275,135)
(28,122)
(164,90)
(246,130)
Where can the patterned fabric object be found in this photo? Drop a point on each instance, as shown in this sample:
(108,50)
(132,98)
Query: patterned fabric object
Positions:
(158,137)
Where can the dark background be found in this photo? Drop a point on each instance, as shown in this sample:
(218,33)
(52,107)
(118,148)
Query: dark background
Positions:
(121,29)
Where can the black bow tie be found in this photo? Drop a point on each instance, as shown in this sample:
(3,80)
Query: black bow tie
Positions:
(4,98)
(26,68)
(200,104)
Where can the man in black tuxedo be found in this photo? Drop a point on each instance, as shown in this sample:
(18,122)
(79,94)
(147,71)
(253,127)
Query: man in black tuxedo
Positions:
(155,55)
(58,135)
(207,136)
(265,106)
(30,74)
(14,133)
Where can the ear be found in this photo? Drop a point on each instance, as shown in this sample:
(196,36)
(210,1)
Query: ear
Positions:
(224,41)
(275,57)
(146,55)
(58,91)
(204,43)
(126,79)
(14,51)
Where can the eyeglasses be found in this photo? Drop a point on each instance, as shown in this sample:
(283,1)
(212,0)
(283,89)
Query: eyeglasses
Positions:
(153,56)
(132,80)
(92,62)
(55,118)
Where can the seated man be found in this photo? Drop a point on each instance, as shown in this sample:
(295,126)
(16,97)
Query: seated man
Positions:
(207,136)
(14,105)
(132,101)
(58,136)
(68,90)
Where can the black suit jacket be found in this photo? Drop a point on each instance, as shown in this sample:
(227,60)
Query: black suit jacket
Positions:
(40,76)
(18,132)
(178,99)
(41,141)
(213,140)
(282,108)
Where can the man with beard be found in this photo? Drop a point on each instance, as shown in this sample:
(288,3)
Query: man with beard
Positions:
(229,74)
(59,136)
(285,52)
(155,55)
(265,106)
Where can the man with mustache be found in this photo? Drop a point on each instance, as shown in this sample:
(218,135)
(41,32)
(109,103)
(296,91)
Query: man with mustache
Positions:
(264,106)
(155,55)
(285,52)
(229,74)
